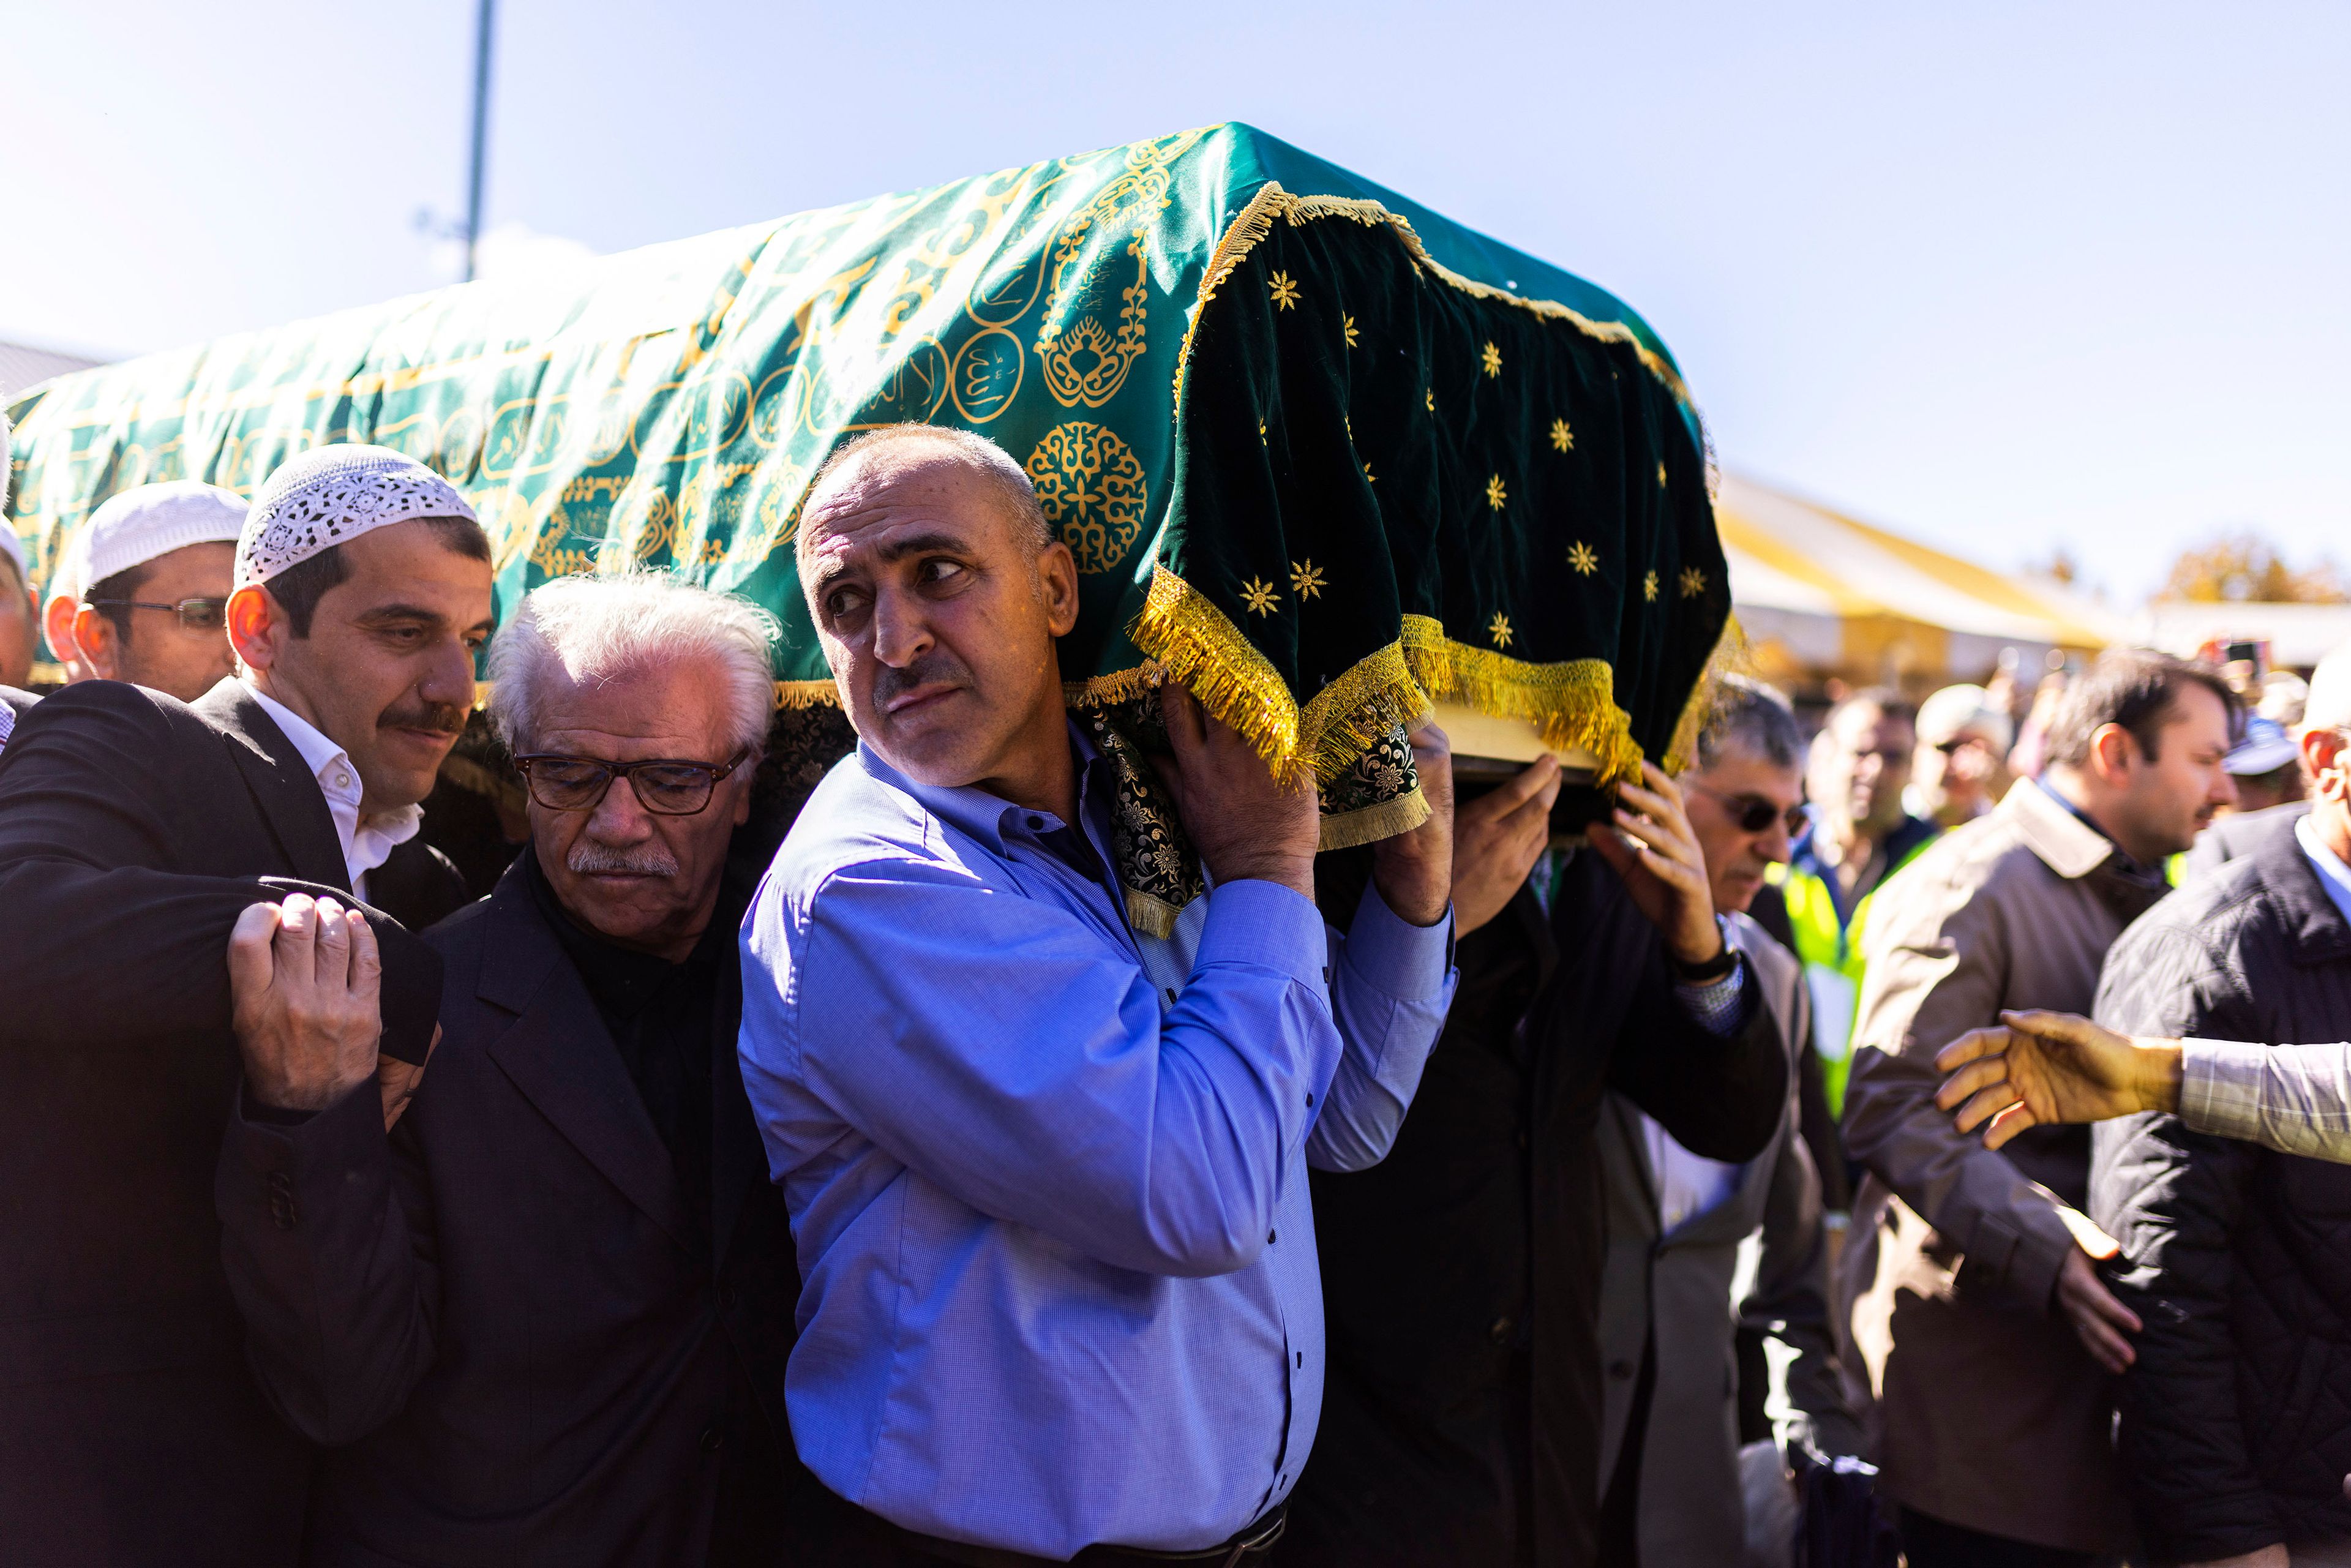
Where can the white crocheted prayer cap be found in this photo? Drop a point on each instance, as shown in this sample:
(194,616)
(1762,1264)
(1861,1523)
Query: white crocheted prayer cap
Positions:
(150,521)
(331,495)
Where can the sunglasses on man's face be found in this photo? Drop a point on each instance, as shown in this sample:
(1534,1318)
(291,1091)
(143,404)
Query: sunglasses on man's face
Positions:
(1752,813)
(195,614)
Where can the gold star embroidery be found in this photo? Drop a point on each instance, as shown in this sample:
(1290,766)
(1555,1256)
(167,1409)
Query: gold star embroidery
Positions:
(1432,400)
(1347,326)
(1259,596)
(1495,494)
(1585,560)
(1305,579)
(1649,587)
(1285,292)
(1661,476)
(1693,582)
(1261,432)
(1370,477)
(1561,438)
(1499,629)
(1492,357)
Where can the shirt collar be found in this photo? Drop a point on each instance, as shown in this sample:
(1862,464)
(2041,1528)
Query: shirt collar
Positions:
(2066,841)
(2333,874)
(972,811)
(327,761)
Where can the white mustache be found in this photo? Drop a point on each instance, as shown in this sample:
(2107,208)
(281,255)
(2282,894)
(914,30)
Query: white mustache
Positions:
(588,857)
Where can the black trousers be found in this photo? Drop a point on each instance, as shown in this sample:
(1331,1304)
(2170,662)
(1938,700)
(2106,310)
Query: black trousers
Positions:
(1932,1543)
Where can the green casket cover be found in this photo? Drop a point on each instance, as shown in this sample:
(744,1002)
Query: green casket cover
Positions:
(1320,454)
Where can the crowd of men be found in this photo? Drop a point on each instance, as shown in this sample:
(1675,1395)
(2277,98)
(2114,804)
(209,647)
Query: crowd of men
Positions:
(1470,1197)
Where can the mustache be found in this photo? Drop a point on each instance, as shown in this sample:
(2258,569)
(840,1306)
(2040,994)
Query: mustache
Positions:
(589,858)
(939,665)
(439,718)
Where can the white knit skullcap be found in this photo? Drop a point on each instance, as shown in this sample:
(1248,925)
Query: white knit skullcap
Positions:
(331,495)
(146,522)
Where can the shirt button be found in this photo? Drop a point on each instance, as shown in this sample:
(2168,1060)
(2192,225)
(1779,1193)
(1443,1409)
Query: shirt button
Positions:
(1501,1330)
(1271,1236)
(342,781)
(1036,824)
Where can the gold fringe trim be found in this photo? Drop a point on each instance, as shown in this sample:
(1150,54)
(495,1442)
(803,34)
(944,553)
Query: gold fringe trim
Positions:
(1152,916)
(1570,704)
(1373,824)
(798,694)
(1251,226)
(1730,655)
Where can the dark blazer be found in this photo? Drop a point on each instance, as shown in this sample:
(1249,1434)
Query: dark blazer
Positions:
(132,829)
(1462,1407)
(495,1318)
(2236,1418)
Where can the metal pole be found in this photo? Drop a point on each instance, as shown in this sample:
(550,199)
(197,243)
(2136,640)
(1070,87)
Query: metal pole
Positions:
(481,133)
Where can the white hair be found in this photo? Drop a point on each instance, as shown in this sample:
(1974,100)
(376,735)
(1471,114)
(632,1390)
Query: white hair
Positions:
(975,452)
(597,628)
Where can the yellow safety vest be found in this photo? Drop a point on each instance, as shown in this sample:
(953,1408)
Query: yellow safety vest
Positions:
(1831,951)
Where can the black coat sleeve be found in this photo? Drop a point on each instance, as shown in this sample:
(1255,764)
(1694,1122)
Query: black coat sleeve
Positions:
(2172,1198)
(1719,1095)
(328,1240)
(93,824)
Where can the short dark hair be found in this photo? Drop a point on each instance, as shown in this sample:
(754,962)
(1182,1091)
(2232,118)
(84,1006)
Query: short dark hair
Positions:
(1888,701)
(299,587)
(123,584)
(2136,688)
(1748,717)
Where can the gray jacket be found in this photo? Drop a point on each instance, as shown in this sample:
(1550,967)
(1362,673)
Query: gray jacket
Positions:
(1682,1286)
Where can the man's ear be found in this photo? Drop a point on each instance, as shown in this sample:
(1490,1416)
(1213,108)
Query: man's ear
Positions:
(258,627)
(2113,752)
(2323,758)
(1057,569)
(93,641)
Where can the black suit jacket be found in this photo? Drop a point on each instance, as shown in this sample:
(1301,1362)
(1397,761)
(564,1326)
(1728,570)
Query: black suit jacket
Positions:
(132,831)
(1461,1275)
(498,1317)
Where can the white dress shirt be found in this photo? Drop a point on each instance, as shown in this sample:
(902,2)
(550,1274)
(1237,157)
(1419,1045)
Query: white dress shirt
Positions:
(1689,1184)
(367,842)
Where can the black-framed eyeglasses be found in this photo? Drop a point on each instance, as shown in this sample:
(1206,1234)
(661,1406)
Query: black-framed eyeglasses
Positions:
(665,787)
(1752,813)
(195,614)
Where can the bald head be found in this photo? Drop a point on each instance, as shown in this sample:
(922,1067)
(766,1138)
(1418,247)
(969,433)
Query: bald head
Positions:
(902,451)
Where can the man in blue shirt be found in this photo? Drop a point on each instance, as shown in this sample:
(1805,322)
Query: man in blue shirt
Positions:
(1047,1174)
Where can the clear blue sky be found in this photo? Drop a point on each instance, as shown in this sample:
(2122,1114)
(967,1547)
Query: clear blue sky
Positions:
(2006,276)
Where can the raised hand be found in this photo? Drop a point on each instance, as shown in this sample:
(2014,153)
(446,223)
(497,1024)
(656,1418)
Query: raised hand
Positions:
(1413,871)
(1245,823)
(304,981)
(2037,1069)
(1654,849)
(1496,839)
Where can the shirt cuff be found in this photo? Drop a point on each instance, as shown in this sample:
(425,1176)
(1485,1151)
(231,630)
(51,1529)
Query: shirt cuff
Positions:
(1266,925)
(2220,1087)
(1400,959)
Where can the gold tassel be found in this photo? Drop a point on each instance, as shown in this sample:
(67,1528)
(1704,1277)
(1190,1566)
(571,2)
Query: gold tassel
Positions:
(798,694)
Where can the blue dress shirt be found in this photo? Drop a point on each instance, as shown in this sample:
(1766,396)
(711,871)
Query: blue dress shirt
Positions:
(1047,1176)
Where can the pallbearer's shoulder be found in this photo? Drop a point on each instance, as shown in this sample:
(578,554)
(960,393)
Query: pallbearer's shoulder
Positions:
(854,817)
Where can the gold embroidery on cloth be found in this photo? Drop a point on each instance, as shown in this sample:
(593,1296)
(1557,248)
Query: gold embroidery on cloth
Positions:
(1254,222)
(1093,488)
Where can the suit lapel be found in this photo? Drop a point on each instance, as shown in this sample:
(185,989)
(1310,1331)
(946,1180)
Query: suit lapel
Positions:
(561,1058)
(289,797)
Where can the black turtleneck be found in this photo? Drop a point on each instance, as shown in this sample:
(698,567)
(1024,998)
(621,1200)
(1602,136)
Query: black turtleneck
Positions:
(661,1016)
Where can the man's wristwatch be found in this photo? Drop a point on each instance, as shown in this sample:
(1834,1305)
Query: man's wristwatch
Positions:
(1706,974)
